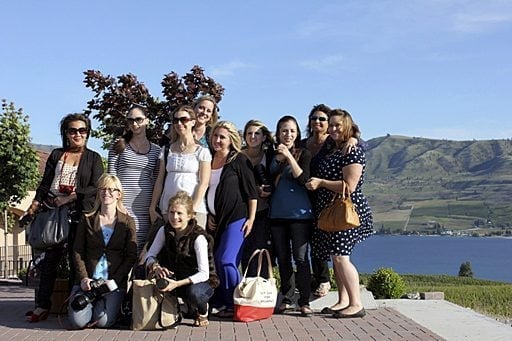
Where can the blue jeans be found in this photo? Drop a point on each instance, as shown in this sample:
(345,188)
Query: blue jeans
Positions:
(104,311)
(196,295)
(292,237)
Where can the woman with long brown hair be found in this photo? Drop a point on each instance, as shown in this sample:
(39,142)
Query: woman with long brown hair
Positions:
(291,216)
(187,168)
(134,160)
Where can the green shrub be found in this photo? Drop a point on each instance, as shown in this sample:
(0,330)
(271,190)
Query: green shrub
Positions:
(22,273)
(465,270)
(385,283)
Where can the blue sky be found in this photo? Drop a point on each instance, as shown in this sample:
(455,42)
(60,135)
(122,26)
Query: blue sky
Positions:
(435,69)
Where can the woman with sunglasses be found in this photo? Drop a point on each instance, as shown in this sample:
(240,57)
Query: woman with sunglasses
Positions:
(134,160)
(69,178)
(317,135)
(187,168)
(104,252)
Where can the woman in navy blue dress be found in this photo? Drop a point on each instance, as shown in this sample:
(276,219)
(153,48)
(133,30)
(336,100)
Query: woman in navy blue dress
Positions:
(338,166)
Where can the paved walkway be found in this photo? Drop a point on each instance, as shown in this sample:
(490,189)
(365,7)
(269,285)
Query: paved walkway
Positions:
(381,323)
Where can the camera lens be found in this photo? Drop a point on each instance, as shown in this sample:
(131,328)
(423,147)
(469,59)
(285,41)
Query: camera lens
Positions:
(81,301)
(162,283)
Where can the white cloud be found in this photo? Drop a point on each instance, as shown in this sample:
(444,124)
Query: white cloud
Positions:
(229,69)
(470,23)
(324,64)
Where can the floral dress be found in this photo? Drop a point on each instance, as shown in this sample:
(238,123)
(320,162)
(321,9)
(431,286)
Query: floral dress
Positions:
(341,243)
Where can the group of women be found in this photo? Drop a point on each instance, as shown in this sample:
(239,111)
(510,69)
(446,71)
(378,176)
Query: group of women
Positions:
(213,200)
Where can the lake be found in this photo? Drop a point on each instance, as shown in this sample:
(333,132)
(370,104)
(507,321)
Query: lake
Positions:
(490,258)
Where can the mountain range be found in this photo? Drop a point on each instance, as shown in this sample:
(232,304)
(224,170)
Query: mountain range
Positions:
(421,184)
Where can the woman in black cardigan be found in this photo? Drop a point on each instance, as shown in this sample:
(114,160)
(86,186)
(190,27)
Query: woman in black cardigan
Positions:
(232,201)
(69,178)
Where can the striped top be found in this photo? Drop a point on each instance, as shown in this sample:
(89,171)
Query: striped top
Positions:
(137,173)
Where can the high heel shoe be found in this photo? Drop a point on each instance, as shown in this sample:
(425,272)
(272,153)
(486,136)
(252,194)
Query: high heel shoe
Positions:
(31,316)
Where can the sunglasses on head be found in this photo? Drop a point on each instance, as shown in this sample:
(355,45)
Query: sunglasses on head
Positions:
(137,120)
(182,120)
(74,131)
(318,118)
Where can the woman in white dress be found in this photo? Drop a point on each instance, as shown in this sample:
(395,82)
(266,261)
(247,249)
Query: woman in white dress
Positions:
(187,168)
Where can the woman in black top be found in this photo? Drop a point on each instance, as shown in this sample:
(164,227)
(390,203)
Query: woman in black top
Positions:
(259,149)
(232,201)
(69,178)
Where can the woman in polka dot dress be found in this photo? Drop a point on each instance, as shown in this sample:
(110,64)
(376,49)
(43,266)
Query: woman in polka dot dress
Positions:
(334,167)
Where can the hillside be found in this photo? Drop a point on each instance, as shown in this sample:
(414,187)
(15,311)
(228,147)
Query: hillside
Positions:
(426,185)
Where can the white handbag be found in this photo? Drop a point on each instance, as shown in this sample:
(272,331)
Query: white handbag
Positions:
(255,297)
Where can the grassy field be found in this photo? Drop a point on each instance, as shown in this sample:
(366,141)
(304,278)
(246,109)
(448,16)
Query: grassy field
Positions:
(487,297)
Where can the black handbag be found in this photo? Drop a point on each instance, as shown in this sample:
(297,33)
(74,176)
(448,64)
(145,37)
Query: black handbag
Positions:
(49,228)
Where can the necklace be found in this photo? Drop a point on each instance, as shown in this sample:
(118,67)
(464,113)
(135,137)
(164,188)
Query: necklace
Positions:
(142,149)
(183,148)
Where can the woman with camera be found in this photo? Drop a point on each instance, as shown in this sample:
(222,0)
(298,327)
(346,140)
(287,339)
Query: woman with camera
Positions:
(69,179)
(189,267)
(104,252)
(259,149)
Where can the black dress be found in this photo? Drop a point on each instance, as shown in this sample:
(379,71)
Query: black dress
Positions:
(341,243)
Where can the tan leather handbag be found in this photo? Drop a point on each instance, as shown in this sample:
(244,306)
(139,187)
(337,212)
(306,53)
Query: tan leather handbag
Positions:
(340,214)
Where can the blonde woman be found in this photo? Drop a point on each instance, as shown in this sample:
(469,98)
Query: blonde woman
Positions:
(206,111)
(189,251)
(105,248)
(232,201)
(187,168)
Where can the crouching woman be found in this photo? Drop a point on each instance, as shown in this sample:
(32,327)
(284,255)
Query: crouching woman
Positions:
(189,268)
(104,252)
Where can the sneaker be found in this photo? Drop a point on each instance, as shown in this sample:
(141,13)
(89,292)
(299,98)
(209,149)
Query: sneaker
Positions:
(323,289)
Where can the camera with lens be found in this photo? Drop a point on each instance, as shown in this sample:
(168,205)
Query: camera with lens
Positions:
(99,288)
(162,283)
(261,178)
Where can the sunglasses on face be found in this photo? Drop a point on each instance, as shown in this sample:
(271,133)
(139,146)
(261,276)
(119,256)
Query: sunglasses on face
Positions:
(109,190)
(137,120)
(74,131)
(182,120)
(318,118)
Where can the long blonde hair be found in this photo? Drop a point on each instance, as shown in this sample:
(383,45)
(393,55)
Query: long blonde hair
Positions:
(234,137)
(108,181)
